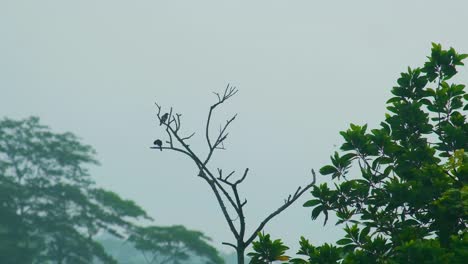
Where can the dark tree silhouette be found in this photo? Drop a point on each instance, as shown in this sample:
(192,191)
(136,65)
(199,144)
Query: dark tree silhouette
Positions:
(225,189)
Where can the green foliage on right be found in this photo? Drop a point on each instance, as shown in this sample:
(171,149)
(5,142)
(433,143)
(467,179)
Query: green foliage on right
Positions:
(408,200)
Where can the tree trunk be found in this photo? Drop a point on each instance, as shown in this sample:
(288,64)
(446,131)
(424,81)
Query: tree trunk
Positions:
(240,254)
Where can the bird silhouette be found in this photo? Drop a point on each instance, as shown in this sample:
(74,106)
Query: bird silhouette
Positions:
(164,118)
(158,143)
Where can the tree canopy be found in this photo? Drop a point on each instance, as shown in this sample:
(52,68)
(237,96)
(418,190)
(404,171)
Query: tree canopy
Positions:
(50,207)
(400,189)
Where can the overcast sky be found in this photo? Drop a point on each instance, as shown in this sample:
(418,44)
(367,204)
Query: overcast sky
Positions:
(304,70)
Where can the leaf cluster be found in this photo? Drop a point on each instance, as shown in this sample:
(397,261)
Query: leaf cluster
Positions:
(267,250)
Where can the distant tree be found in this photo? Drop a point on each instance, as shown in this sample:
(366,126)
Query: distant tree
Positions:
(225,189)
(50,208)
(407,202)
(16,245)
(173,244)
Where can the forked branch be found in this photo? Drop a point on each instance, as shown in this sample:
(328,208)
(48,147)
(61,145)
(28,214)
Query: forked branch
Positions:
(228,93)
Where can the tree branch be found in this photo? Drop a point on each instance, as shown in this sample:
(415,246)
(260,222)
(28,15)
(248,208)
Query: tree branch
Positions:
(229,244)
(281,208)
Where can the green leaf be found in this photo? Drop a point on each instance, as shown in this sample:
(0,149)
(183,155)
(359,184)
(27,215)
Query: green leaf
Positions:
(311,203)
(462,56)
(344,241)
(328,169)
(316,211)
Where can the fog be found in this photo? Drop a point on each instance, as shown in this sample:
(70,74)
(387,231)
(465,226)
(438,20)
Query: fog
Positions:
(304,69)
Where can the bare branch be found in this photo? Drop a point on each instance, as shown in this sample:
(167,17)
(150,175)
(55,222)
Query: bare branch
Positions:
(214,184)
(170,119)
(171,144)
(159,109)
(177,122)
(174,149)
(204,172)
(188,137)
(230,174)
(224,210)
(228,92)
(244,203)
(222,133)
(229,244)
(243,177)
(217,95)
(297,191)
(225,180)
(290,201)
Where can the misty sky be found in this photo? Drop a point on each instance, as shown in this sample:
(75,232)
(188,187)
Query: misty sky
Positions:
(304,70)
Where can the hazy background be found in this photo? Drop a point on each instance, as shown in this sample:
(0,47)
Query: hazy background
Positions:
(305,70)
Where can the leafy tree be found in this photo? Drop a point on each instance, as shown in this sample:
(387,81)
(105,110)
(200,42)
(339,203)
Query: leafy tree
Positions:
(408,200)
(50,208)
(173,244)
(225,189)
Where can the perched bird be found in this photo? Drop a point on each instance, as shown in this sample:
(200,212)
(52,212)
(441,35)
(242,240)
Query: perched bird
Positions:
(158,143)
(164,118)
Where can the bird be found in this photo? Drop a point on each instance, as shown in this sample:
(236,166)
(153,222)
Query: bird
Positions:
(163,118)
(158,143)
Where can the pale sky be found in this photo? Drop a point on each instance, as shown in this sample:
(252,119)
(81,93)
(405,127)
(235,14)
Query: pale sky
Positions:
(304,70)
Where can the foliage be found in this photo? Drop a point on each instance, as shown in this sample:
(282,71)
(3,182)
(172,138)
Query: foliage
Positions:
(409,203)
(322,254)
(267,251)
(173,244)
(50,207)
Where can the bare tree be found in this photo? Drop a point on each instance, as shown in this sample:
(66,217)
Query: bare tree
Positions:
(225,189)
